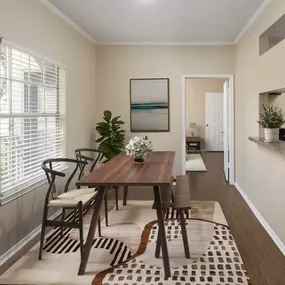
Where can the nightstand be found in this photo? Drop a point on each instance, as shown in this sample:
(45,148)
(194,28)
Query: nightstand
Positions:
(193,144)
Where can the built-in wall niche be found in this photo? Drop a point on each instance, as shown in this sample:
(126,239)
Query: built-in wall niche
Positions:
(272,36)
(273,97)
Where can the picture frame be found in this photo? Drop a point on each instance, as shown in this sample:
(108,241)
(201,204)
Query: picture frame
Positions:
(149,105)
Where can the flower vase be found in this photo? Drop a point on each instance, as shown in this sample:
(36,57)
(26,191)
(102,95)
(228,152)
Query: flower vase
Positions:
(139,160)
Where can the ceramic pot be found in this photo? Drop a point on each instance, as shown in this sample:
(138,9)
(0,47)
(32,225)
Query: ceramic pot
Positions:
(271,135)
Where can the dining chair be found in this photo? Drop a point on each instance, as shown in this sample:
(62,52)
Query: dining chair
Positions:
(181,203)
(83,154)
(76,199)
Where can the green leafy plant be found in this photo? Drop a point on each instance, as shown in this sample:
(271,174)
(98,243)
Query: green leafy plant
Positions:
(272,117)
(112,140)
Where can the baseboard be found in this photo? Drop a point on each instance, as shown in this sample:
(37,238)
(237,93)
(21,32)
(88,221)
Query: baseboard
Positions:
(13,250)
(266,226)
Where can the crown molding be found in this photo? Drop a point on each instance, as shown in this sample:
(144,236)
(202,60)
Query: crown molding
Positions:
(67,20)
(157,43)
(252,20)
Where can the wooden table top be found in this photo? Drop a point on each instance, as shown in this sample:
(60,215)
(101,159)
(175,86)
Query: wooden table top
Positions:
(122,171)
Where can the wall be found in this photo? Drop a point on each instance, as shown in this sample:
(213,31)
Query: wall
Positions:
(259,171)
(195,103)
(31,25)
(115,65)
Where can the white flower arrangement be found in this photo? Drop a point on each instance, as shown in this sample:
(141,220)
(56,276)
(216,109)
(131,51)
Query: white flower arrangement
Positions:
(139,147)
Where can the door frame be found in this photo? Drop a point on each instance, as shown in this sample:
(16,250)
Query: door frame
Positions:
(206,115)
(230,78)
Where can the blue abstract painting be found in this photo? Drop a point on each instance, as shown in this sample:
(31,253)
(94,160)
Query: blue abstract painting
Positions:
(150,105)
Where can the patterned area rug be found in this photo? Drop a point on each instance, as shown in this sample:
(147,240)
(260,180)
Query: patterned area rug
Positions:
(125,253)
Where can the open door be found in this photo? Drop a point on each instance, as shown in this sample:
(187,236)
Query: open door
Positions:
(226,129)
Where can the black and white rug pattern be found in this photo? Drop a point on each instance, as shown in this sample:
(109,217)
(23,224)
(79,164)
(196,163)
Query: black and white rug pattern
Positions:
(124,255)
(220,264)
(62,243)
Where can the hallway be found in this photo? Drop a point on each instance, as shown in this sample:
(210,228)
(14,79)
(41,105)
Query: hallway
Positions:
(264,261)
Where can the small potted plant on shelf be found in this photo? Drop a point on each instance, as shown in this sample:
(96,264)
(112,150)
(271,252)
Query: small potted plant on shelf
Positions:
(271,120)
(139,147)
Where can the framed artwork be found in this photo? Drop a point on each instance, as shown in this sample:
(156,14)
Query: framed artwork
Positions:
(149,105)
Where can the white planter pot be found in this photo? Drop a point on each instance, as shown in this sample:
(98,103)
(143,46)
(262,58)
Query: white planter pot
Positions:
(271,135)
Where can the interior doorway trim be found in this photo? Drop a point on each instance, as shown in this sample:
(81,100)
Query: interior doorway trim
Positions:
(229,77)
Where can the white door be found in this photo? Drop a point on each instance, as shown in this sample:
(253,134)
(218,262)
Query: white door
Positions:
(214,138)
(226,129)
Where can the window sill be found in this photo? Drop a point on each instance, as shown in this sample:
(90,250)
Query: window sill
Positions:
(12,196)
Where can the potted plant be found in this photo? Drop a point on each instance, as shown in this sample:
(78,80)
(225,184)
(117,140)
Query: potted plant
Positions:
(139,147)
(271,120)
(112,140)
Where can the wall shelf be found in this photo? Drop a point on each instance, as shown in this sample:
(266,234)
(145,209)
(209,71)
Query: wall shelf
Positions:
(278,146)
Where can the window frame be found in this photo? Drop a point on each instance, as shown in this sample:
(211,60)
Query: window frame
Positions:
(41,180)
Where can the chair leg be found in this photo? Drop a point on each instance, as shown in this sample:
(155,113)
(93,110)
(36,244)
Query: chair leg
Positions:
(116,197)
(80,221)
(42,241)
(186,211)
(99,226)
(106,207)
(172,197)
(62,219)
(43,233)
(125,196)
(184,233)
(74,215)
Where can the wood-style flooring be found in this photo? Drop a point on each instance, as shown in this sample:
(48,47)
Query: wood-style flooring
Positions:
(263,260)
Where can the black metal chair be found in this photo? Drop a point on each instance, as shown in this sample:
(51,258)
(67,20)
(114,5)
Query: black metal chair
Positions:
(94,160)
(76,200)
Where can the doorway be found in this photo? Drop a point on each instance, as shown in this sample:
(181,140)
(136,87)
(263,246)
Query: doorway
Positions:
(212,127)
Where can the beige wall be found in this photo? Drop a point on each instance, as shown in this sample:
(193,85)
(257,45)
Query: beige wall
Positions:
(195,103)
(115,65)
(259,171)
(33,26)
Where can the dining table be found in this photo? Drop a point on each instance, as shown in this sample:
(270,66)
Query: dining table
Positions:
(156,172)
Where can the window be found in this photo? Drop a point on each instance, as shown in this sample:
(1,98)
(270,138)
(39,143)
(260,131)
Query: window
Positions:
(32,118)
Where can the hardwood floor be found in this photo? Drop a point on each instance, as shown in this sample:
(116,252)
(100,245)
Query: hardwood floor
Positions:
(263,260)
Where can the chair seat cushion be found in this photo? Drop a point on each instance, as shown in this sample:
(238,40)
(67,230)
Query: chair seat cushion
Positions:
(72,197)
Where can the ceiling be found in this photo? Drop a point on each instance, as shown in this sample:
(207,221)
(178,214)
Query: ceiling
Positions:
(159,21)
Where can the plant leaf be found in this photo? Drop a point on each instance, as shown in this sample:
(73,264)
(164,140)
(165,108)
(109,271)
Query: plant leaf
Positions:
(115,119)
(100,139)
(107,115)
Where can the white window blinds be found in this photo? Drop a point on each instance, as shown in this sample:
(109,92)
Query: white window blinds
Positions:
(32,117)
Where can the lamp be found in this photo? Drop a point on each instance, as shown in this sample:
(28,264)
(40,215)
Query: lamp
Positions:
(192,128)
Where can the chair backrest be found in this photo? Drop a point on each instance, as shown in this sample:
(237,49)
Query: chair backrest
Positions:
(51,174)
(182,192)
(88,155)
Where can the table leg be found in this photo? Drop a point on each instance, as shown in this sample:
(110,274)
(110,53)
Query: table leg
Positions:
(106,207)
(125,196)
(91,232)
(163,241)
